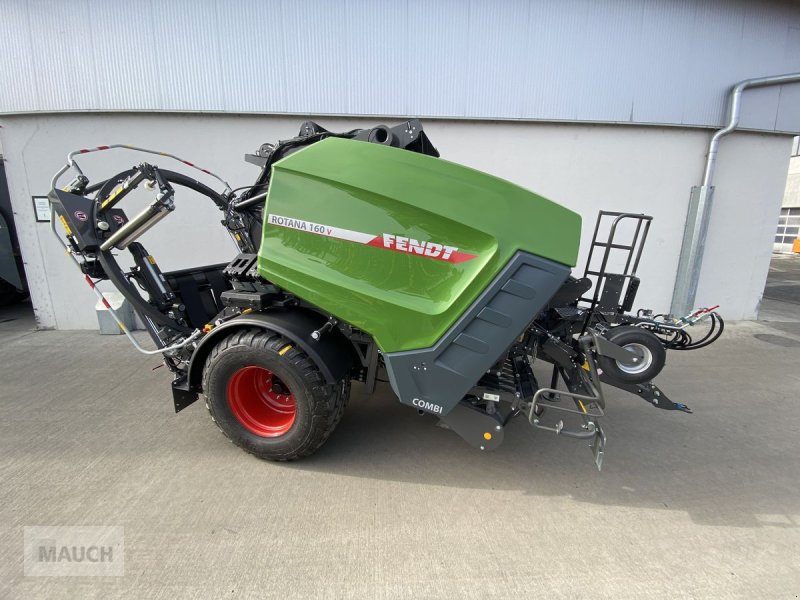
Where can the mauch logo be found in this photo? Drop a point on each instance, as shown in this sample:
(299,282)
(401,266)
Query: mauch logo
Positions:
(73,551)
(51,552)
(80,215)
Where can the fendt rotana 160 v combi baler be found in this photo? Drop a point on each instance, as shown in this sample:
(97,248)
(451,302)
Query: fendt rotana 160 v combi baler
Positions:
(363,256)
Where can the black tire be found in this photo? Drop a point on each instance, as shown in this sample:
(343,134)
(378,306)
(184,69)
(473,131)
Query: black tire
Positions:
(642,342)
(246,381)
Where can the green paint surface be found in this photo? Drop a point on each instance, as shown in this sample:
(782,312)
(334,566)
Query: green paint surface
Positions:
(404,300)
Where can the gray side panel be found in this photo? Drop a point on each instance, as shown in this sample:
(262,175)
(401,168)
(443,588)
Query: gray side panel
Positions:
(436,378)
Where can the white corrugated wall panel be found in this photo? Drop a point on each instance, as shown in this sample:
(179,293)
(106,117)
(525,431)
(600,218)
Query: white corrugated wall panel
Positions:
(759,43)
(665,32)
(498,35)
(374,37)
(187,42)
(18,76)
(435,35)
(125,54)
(63,61)
(252,55)
(315,50)
(607,40)
(789,98)
(788,105)
(636,61)
(715,61)
(550,88)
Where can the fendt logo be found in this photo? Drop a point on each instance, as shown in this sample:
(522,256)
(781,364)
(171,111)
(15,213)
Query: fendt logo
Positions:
(399,243)
(387,241)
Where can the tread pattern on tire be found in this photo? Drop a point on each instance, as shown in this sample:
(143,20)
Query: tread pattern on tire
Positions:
(327,401)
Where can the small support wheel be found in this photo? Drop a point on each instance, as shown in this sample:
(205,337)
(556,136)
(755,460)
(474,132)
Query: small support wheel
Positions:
(645,345)
(268,397)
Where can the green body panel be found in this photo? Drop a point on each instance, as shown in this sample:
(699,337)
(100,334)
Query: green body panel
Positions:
(404,300)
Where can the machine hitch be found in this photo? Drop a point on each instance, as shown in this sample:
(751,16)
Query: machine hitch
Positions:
(648,391)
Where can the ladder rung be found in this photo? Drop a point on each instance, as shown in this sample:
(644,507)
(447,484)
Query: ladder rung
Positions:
(606,274)
(616,246)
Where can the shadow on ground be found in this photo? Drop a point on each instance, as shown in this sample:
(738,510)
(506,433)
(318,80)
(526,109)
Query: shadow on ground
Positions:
(730,463)
(714,465)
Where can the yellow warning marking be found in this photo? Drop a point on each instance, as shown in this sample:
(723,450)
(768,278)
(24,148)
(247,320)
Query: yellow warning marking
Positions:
(122,327)
(487,436)
(110,199)
(583,408)
(66,188)
(247,311)
(64,223)
(284,350)
(585,366)
(238,237)
(151,259)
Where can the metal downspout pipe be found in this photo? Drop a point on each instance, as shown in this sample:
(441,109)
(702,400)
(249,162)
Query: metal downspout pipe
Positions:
(699,213)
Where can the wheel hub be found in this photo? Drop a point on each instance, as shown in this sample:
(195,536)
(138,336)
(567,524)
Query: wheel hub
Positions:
(261,402)
(644,359)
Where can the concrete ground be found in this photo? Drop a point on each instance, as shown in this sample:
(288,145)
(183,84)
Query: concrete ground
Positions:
(687,506)
(781,299)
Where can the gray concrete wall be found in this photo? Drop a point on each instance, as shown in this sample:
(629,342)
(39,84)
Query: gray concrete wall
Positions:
(584,167)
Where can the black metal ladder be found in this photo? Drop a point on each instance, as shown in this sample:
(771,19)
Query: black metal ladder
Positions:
(608,287)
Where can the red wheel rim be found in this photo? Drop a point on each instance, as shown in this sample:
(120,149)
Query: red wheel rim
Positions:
(261,402)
